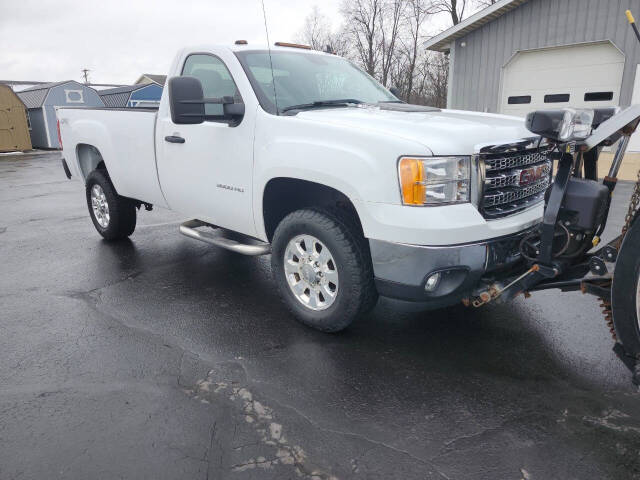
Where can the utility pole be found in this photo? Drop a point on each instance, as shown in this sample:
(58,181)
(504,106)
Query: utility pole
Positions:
(85,74)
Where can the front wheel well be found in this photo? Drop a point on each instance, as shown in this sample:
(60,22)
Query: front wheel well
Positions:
(285,195)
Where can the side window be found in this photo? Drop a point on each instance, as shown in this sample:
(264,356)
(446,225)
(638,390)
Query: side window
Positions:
(215,78)
(519,100)
(556,98)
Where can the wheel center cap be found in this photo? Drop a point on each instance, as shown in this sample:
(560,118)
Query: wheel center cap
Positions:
(309,274)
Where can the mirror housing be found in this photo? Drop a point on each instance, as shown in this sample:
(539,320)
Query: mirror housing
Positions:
(184,93)
(395,91)
(233,111)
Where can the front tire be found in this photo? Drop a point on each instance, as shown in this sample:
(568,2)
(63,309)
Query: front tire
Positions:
(113,216)
(322,267)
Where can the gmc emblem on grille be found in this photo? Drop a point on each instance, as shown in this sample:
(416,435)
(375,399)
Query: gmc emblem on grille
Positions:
(532,174)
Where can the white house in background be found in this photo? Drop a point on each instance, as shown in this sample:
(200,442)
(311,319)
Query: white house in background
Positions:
(522,55)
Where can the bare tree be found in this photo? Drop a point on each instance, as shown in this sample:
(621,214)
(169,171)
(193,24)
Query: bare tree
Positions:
(317,33)
(362,20)
(315,30)
(438,79)
(417,13)
(389,27)
(385,38)
(455,8)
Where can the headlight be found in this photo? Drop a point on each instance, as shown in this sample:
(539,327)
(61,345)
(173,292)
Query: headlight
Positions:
(561,125)
(434,180)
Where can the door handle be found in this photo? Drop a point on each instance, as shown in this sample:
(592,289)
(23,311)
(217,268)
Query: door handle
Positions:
(173,139)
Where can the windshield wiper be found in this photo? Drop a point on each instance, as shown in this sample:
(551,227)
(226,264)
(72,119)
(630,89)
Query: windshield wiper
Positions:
(321,103)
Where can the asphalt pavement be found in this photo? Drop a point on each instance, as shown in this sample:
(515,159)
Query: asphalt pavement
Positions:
(165,358)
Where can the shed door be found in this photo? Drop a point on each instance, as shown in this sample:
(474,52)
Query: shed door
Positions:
(587,75)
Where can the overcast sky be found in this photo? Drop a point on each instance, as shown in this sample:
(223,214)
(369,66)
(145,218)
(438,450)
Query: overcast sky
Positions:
(52,40)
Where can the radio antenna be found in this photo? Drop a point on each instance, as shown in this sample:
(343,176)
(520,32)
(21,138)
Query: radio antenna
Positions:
(273,77)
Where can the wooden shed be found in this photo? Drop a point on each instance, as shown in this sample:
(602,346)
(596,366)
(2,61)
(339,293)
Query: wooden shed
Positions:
(14,129)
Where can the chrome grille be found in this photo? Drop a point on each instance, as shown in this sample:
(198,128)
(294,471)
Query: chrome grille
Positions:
(512,161)
(510,196)
(514,181)
(512,177)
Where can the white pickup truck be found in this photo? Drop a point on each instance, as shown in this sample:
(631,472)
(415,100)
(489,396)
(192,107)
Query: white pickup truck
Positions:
(302,155)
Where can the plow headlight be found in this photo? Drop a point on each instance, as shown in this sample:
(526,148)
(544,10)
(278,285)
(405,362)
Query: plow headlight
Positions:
(563,125)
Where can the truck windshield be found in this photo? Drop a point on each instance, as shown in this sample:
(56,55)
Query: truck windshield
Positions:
(308,80)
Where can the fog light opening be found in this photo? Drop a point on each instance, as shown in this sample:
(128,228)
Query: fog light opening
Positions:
(432,282)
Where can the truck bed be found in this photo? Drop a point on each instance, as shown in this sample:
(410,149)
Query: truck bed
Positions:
(125,140)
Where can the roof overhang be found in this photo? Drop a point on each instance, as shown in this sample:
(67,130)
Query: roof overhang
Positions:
(442,41)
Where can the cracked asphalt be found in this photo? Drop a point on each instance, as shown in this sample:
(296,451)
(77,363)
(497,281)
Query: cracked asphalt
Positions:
(162,357)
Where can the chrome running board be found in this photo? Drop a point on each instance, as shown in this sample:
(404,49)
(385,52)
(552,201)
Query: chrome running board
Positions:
(217,238)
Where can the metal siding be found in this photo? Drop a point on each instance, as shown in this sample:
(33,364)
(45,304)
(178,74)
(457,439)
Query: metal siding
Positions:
(52,125)
(118,100)
(57,96)
(32,98)
(151,93)
(538,24)
(38,130)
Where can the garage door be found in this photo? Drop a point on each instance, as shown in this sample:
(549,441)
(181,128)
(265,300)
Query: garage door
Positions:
(588,75)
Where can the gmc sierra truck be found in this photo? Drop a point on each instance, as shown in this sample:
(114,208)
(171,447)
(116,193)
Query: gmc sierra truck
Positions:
(301,155)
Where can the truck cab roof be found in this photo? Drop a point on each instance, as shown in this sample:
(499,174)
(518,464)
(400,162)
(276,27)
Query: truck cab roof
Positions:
(256,46)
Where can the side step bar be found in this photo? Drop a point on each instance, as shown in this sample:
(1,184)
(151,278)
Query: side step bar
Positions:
(217,238)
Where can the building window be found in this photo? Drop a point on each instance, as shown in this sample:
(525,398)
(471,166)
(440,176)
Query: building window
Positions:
(519,100)
(598,96)
(74,96)
(28,120)
(556,98)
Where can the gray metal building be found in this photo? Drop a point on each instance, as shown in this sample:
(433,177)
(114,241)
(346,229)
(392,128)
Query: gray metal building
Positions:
(519,55)
(41,101)
(142,95)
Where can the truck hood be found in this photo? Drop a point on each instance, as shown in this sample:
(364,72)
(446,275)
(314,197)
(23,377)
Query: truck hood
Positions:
(444,132)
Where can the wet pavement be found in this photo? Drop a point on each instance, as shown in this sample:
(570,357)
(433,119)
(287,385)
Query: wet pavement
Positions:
(162,357)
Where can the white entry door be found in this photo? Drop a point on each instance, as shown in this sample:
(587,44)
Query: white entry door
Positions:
(585,75)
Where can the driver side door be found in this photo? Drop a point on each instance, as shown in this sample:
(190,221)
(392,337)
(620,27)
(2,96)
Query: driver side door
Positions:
(205,169)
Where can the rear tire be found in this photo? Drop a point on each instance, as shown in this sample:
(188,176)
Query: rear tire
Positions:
(625,292)
(113,216)
(327,281)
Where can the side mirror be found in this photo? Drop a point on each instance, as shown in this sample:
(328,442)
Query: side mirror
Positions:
(187,103)
(395,91)
(186,100)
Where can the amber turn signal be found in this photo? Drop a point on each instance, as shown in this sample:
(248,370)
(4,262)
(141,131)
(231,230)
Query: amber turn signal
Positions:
(412,181)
